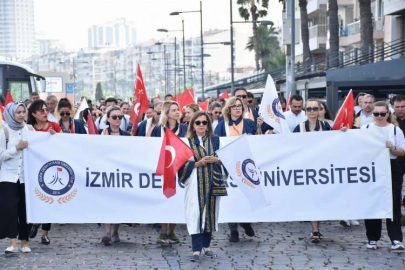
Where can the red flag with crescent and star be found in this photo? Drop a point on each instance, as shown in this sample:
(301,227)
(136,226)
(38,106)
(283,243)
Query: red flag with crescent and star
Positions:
(225,95)
(141,104)
(173,154)
(345,115)
(9,98)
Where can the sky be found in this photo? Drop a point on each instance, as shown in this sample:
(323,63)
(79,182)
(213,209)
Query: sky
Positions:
(68,20)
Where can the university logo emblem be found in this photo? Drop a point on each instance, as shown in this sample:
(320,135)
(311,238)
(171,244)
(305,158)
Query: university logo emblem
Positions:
(56,178)
(248,172)
(275,110)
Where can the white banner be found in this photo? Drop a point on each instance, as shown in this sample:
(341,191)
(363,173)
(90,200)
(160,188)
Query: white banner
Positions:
(107,179)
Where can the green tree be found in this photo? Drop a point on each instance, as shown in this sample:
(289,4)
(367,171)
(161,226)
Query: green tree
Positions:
(334,32)
(99,91)
(277,60)
(255,9)
(268,45)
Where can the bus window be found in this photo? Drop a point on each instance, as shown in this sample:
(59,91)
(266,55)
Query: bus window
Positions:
(19,90)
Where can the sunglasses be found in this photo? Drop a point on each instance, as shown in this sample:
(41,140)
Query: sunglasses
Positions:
(217,112)
(236,106)
(198,123)
(242,96)
(382,114)
(312,109)
(115,117)
(64,113)
(250,101)
(158,113)
(43,110)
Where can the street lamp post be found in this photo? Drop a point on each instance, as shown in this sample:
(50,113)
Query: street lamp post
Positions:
(175,57)
(202,42)
(263,22)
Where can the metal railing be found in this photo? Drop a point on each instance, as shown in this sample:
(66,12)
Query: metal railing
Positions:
(376,53)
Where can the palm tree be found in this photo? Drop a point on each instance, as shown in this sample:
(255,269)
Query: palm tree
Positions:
(268,44)
(366,26)
(304,30)
(250,8)
(277,61)
(334,32)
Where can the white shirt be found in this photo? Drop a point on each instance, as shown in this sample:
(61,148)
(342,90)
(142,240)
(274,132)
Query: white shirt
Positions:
(397,140)
(52,118)
(294,120)
(365,120)
(101,125)
(214,124)
(12,168)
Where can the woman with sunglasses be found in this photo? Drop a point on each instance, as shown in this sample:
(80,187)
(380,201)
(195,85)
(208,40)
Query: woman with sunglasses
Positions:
(38,118)
(66,122)
(203,182)
(234,124)
(114,117)
(13,220)
(215,111)
(383,122)
(169,118)
(113,122)
(313,124)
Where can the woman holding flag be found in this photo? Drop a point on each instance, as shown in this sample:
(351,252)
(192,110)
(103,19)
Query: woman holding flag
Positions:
(66,122)
(204,183)
(170,118)
(234,124)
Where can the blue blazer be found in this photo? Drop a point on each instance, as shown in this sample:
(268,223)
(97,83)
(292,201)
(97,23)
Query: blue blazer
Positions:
(79,127)
(141,131)
(249,127)
(157,131)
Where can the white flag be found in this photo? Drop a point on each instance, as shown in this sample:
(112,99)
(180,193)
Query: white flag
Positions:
(271,109)
(82,107)
(244,171)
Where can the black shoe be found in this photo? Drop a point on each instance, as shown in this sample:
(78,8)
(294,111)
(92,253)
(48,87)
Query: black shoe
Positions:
(209,254)
(248,229)
(34,231)
(195,258)
(106,240)
(234,237)
(45,240)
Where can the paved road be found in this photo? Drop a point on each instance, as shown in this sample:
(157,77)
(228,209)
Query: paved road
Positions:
(276,246)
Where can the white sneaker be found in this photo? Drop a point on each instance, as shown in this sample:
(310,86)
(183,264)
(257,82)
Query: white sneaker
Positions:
(397,245)
(345,223)
(25,250)
(11,249)
(372,245)
(354,222)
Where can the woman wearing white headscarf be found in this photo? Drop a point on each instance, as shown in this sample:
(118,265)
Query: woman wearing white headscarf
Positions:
(12,196)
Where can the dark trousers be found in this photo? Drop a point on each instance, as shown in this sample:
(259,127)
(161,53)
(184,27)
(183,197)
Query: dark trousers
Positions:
(200,241)
(374,226)
(46,227)
(233,227)
(13,213)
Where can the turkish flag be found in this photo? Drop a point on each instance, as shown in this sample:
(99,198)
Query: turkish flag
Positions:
(287,106)
(173,154)
(203,105)
(345,115)
(185,99)
(9,98)
(224,95)
(175,97)
(91,126)
(141,104)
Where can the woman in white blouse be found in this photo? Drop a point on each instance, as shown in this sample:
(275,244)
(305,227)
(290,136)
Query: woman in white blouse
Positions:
(13,221)
(395,142)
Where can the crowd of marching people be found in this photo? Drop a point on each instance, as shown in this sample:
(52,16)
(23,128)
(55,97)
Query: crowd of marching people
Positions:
(233,117)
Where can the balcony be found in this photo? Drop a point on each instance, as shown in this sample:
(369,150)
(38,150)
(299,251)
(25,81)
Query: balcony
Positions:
(318,37)
(315,5)
(394,7)
(351,33)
